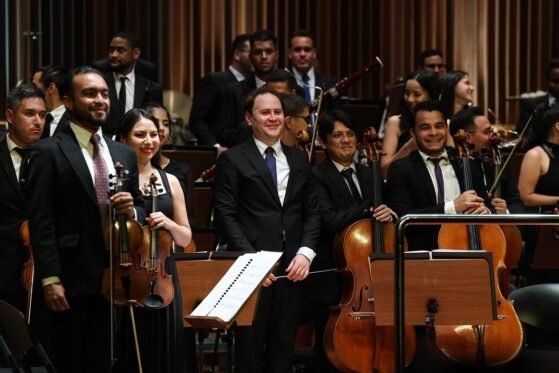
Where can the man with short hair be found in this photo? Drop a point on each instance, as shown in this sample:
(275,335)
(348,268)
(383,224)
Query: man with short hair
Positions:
(264,56)
(302,55)
(127,90)
(25,113)
(283,82)
(53,81)
(430,180)
(432,60)
(208,95)
(344,190)
(264,200)
(67,194)
(297,119)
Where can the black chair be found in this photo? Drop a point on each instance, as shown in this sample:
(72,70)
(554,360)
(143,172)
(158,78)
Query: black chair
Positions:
(19,346)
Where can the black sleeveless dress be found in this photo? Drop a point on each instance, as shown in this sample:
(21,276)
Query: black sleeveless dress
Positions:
(160,331)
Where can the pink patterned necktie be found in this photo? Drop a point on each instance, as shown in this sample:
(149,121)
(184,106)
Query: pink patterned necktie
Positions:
(101,181)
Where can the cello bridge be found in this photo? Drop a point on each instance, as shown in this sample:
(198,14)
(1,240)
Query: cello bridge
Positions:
(362,315)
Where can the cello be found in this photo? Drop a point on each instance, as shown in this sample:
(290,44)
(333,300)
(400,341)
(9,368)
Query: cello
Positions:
(479,345)
(152,285)
(352,341)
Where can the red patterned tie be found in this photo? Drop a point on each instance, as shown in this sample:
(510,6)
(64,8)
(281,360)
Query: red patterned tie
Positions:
(101,182)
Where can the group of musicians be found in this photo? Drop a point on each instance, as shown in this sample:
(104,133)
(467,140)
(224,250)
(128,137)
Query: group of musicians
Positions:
(268,196)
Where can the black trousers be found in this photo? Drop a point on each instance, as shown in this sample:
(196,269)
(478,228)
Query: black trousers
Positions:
(268,345)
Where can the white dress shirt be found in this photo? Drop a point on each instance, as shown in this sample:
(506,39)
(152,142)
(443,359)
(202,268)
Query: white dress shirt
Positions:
(451,184)
(130,83)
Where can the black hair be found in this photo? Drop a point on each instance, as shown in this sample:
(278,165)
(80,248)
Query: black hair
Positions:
(57,74)
(238,43)
(80,71)
(327,120)
(128,122)
(302,34)
(293,104)
(429,106)
(448,84)
(129,37)
(429,82)
(426,54)
(263,35)
(281,75)
(149,106)
(543,123)
(553,64)
(20,93)
(249,102)
(464,119)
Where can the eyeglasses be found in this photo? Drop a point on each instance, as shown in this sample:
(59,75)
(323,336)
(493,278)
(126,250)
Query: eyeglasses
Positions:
(435,65)
(307,118)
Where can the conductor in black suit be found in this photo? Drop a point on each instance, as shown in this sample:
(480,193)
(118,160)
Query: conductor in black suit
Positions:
(430,180)
(25,113)
(344,190)
(127,89)
(303,57)
(205,120)
(68,201)
(265,201)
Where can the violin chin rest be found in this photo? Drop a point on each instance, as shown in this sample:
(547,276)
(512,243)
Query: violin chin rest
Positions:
(537,305)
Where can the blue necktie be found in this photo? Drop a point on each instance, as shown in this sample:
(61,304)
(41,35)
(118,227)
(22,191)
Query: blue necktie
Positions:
(271,163)
(306,88)
(440,180)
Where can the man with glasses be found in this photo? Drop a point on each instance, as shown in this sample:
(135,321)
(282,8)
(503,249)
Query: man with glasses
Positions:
(208,94)
(297,118)
(432,60)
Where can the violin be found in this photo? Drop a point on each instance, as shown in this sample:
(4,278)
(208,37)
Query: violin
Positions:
(28,273)
(153,286)
(479,345)
(352,340)
(125,238)
(513,237)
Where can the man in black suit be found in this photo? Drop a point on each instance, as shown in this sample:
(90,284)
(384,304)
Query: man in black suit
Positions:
(528,106)
(208,96)
(127,89)
(66,191)
(429,180)
(53,81)
(264,56)
(25,113)
(143,68)
(264,200)
(339,208)
(478,134)
(431,60)
(302,54)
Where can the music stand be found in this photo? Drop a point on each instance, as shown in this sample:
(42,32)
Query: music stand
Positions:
(441,287)
(198,273)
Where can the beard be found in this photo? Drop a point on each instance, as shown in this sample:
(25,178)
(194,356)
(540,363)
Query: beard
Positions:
(86,117)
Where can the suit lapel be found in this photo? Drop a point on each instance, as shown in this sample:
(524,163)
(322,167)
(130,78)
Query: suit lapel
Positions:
(337,180)
(71,149)
(63,123)
(418,167)
(257,160)
(139,91)
(364,175)
(110,78)
(8,167)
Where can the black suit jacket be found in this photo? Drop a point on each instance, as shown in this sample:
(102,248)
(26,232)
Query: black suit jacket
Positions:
(248,207)
(235,130)
(144,91)
(12,205)
(527,108)
(65,225)
(205,120)
(143,68)
(62,124)
(337,212)
(326,82)
(411,191)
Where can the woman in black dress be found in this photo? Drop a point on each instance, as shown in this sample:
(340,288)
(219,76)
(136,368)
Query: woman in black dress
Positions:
(160,331)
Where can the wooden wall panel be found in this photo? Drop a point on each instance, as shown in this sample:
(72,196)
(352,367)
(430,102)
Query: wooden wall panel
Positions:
(503,44)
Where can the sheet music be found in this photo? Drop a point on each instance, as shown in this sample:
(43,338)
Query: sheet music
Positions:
(236,286)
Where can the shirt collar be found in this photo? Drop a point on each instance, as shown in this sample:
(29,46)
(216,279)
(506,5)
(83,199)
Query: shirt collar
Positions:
(259,82)
(262,147)
(425,157)
(299,76)
(340,168)
(240,77)
(84,136)
(131,76)
(11,144)
(58,113)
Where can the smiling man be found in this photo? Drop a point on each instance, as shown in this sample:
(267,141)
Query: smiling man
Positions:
(67,195)
(264,200)
(430,180)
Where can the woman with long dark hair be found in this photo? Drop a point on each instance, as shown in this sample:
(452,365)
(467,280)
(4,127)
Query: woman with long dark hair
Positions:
(456,92)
